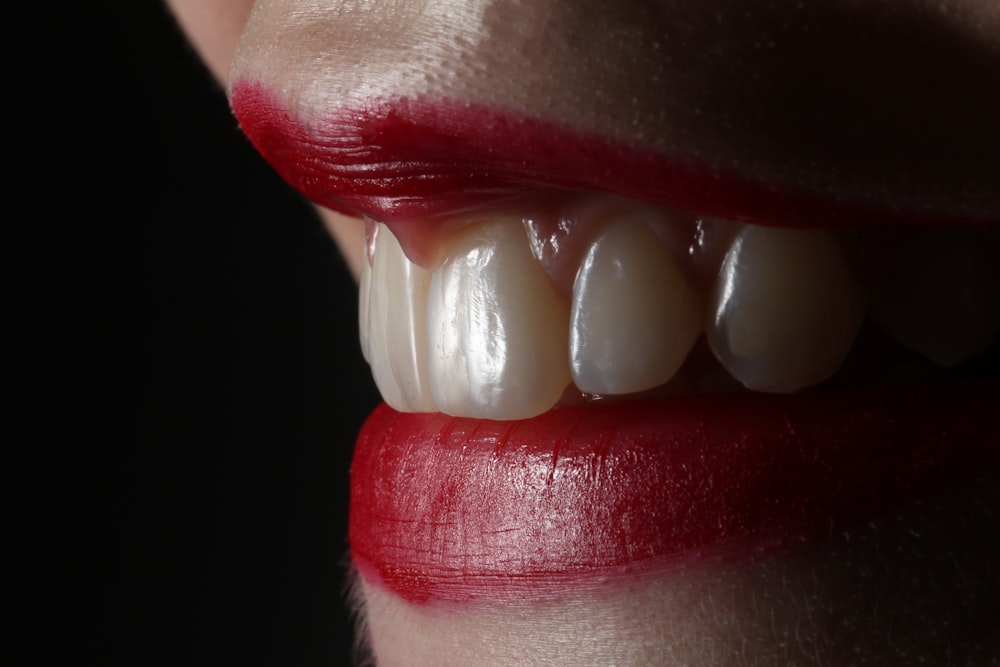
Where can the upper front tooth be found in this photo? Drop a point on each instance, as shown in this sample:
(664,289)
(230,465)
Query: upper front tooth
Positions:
(497,329)
(397,325)
(634,316)
(942,299)
(364,295)
(785,309)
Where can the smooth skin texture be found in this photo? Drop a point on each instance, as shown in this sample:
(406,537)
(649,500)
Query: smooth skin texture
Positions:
(883,99)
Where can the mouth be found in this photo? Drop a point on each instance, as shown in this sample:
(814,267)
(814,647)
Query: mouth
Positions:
(684,365)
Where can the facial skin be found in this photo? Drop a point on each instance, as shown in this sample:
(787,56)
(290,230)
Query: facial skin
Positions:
(884,101)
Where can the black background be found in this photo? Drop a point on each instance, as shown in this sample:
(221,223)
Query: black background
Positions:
(212,382)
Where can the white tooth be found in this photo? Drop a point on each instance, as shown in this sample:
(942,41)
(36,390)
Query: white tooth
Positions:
(397,325)
(497,328)
(364,295)
(942,299)
(785,309)
(635,315)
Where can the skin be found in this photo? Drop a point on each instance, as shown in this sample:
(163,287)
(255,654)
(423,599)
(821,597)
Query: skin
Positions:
(900,115)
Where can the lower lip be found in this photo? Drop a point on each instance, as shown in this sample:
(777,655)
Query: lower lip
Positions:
(453,510)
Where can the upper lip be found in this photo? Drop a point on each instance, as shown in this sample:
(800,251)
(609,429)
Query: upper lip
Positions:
(426,159)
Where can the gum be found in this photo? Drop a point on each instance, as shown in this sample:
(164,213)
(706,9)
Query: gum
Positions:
(560,228)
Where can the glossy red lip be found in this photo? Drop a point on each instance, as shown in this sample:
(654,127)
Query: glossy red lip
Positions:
(449,509)
(417,159)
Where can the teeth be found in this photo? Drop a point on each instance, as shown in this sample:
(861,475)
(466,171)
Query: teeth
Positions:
(495,332)
(942,299)
(785,309)
(497,337)
(634,316)
(364,296)
(397,325)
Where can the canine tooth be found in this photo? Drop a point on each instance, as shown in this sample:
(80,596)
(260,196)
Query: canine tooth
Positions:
(785,309)
(942,299)
(397,325)
(634,316)
(497,329)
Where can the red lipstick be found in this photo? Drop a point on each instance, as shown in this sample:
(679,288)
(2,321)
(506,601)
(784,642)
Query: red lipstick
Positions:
(417,159)
(451,509)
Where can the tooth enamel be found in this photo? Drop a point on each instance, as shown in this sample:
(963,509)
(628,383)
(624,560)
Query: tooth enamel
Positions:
(634,315)
(397,325)
(364,295)
(492,331)
(785,309)
(942,299)
(497,329)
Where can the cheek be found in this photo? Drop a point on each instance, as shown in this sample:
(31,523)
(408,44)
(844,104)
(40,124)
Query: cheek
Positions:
(214,28)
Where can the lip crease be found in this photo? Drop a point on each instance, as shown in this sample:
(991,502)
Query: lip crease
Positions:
(419,159)
(452,509)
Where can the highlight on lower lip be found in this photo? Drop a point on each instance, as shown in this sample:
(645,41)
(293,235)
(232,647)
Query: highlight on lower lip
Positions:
(416,158)
(452,509)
